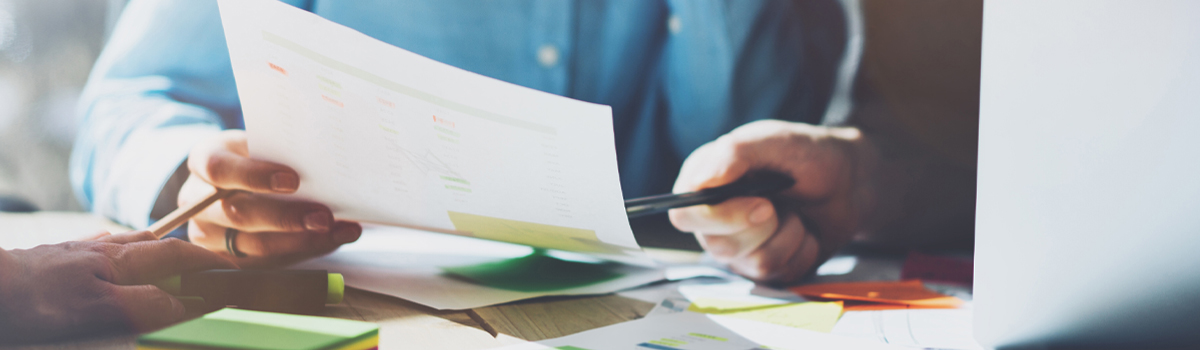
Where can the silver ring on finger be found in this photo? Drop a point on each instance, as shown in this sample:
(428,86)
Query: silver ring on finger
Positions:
(231,243)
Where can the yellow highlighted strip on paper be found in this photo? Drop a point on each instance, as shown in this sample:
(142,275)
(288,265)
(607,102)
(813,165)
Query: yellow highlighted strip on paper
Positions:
(532,234)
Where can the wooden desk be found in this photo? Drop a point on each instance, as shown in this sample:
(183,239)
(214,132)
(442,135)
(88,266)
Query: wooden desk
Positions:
(403,325)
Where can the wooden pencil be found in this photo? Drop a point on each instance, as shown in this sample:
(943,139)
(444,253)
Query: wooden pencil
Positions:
(183,214)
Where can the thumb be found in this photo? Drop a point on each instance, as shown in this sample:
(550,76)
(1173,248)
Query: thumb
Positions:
(714,164)
(760,145)
(147,308)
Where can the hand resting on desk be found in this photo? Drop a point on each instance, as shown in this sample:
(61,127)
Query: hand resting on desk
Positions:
(76,288)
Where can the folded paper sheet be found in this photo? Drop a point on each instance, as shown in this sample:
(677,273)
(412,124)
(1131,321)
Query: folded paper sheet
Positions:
(383,135)
(455,273)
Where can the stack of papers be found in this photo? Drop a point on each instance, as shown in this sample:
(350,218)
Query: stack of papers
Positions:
(693,331)
(938,328)
(420,267)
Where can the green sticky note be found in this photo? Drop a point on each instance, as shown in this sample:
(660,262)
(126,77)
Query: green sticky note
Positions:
(255,330)
(536,272)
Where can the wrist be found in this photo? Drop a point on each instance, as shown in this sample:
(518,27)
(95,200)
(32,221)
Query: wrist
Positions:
(168,196)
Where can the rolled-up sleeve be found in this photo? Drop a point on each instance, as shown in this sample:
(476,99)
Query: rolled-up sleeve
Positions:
(162,84)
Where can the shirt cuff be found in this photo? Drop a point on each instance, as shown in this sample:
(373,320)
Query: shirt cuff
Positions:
(138,174)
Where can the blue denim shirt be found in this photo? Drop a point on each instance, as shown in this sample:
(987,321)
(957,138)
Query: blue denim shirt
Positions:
(677,74)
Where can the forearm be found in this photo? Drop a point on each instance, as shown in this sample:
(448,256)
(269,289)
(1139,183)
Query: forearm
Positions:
(128,149)
(162,84)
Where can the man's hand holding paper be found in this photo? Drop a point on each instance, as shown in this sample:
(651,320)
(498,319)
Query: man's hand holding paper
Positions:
(270,230)
(379,134)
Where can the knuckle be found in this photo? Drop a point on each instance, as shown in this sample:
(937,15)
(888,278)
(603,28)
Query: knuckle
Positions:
(145,236)
(174,247)
(286,223)
(103,266)
(105,293)
(264,245)
(237,211)
(740,149)
(216,169)
(102,250)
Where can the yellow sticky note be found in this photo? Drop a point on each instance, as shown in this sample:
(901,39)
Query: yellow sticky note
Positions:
(721,306)
(816,316)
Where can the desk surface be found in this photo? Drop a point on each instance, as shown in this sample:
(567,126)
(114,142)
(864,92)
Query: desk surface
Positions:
(403,325)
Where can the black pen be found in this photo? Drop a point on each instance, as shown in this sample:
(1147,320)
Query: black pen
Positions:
(756,184)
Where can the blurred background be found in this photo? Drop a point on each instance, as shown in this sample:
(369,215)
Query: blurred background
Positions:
(47,48)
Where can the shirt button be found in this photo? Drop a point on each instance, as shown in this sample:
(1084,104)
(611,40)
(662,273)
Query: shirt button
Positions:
(547,55)
(674,24)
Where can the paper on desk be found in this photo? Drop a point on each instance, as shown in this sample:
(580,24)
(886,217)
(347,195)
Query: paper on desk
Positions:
(743,299)
(815,316)
(693,331)
(409,264)
(383,135)
(924,328)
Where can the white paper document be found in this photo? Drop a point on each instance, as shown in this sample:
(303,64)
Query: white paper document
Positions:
(411,265)
(924,328)
(383,135)
(694,331)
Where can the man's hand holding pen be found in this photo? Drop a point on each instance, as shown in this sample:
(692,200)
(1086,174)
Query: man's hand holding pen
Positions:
(780,240)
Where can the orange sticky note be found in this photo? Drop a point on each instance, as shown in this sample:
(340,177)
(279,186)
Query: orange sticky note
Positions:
(910,293)
(852,305)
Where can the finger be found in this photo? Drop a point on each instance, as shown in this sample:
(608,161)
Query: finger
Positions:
(285,260)
(145,262)
(224,163)
(145,307)
(763,144)
(733,215)
(206,234)
(786,256)
(712,164)
(249,212)
(128,237)
(804,152)
(281,244)
(95,236)
(729,246)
